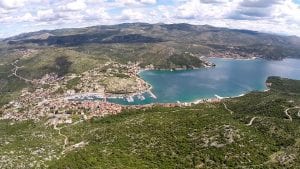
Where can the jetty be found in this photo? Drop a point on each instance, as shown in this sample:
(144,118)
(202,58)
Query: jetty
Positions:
(152,95)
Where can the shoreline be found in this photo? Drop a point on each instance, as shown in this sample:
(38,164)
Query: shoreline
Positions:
(215,99)
(141,92)
(233,58)
(149,88)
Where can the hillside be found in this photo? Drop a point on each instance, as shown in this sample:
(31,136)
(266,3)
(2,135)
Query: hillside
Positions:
(179,38)
(42,127)
(155,46)
(253,131)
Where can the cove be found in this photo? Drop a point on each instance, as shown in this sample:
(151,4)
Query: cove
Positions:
(229,78)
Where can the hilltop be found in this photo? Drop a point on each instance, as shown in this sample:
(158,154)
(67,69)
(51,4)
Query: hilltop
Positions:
(173,38)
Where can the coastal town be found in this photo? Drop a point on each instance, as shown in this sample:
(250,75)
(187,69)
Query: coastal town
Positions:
(61,99)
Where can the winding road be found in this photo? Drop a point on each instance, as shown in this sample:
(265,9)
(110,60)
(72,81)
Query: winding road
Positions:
(251,121)
(287,114)
(230,111)
(15,69)
(286,111)
(66,138)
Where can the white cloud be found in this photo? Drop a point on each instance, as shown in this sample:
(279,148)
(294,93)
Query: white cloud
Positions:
(74,6)
(27,17)
(287,11)
(46,15)
(133,15)
(14,4)
(11,4)
(148,1)
(196,9)
(279,16)
(135,2)
(95,14)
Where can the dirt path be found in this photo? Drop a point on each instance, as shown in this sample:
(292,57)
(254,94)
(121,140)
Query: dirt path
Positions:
(15,69)
(230,111)
(251,121)
(287,114)
(72,147)
(66,138)
(288,109)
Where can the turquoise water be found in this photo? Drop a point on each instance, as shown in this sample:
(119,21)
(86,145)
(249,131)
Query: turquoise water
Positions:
(229,78)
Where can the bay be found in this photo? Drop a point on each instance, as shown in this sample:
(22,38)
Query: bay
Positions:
(230,77)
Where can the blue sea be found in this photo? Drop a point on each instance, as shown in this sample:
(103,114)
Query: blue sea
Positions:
(229,78)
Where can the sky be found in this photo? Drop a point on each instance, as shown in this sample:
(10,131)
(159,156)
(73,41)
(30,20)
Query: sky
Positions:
(272,16)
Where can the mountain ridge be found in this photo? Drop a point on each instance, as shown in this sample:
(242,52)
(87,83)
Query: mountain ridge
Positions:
(214,40)
(140,23)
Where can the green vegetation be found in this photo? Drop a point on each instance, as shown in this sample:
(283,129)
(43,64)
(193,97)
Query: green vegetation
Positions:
(162,46)
(200,136)
(39,62)
(27,144)
(175,39)
(57,60)
(263,131)
(73,82)
(187,61)
(284,85)
(9,84)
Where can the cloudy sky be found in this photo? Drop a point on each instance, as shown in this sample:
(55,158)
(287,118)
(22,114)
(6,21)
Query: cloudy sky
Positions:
(276,16)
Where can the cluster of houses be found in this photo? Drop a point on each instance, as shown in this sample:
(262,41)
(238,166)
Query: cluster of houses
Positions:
(38,105)
(233,54)
(49,98)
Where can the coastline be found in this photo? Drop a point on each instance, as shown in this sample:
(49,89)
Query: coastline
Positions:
(233,58)
(141,93)
(215,99)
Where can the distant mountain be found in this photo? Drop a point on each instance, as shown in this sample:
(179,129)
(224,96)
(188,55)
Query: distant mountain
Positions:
(213,41)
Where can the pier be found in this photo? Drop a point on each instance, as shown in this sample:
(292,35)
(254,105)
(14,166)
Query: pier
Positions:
(152,95)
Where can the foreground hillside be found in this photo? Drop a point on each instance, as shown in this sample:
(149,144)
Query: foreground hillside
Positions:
(258,130)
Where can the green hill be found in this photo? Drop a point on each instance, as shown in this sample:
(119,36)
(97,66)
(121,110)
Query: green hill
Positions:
(197,39)
(201,136)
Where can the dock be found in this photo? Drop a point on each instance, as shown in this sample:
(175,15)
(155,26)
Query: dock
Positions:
(152,95)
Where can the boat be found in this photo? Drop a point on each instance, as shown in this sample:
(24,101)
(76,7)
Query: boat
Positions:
(130,99)
(141,97)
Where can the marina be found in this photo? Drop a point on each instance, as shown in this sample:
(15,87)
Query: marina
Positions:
(229,78)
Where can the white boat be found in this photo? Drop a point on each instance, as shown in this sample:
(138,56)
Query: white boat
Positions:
(130,99)
(141,97)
